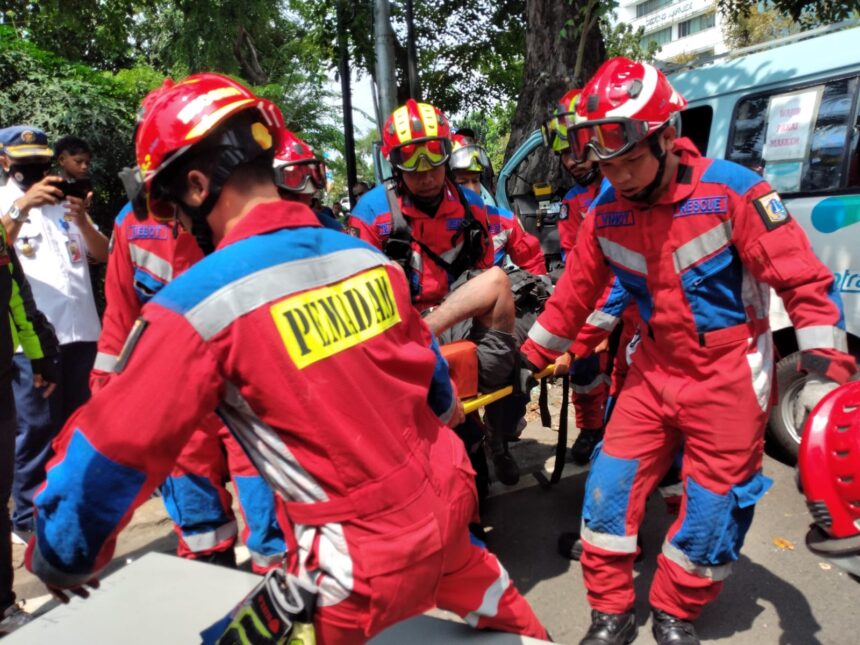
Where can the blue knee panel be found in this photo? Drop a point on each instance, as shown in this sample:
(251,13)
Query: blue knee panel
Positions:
(607,493)
(193,504)
(714,526)
(258,502)
(85,483)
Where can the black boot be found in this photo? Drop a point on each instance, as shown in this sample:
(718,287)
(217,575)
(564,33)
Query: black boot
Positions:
(570,546)
(610,629)
(505,467)
(583,447)
(669,630)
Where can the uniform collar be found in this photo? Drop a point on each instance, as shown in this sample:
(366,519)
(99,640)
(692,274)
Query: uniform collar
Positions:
(450,205)
(686,175)
(269,217)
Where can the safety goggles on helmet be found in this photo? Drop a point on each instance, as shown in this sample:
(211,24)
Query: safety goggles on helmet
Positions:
(607,138)
(296,177)
(142,201)
(470,157)
(421,154)
(554,131)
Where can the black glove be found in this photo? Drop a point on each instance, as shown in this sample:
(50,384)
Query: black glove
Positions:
(47,368)
(525,371)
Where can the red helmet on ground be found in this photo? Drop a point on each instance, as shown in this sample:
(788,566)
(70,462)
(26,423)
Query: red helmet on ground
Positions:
(467,153)
(416,137)
(829,464)
(297,168)
(177,117)
(620,106)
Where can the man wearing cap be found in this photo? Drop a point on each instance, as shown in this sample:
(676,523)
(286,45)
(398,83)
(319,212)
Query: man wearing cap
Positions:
(53,237)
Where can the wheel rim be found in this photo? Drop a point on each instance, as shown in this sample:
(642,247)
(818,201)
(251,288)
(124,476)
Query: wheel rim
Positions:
(788,402)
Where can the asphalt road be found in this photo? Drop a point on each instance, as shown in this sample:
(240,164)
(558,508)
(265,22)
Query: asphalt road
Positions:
(778,593)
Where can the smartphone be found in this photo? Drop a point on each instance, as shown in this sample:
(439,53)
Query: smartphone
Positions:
(75,187)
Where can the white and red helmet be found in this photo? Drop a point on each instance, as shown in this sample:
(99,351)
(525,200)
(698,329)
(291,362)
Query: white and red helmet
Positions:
(623,103)
(297,168)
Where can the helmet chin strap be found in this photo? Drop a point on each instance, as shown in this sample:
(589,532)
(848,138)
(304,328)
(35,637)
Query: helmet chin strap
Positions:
(588,178)
(646,193)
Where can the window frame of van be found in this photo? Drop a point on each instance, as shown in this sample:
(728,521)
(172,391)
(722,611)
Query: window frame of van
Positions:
(852,129)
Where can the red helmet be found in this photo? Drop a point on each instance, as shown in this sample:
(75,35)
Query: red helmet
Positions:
(417,136)
(178,116)
(829,463)
(297,168)
(621,105)
(554,129)
(468,154)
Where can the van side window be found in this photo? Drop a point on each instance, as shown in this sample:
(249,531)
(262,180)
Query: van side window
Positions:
(696,125)
(802,140)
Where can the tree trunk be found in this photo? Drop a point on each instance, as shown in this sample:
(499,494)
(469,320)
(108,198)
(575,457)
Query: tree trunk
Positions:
(547,75)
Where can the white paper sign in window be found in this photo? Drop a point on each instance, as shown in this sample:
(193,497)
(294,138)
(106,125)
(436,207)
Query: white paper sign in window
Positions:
(789,123)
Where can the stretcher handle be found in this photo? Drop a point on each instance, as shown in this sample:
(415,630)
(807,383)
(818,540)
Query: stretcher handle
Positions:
(482,400)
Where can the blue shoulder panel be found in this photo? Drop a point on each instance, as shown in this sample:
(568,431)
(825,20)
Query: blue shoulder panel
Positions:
(605,195)
(501,213)
(473,198)
(575,190)
(250,255)
(735,176)
(123,213)
(371,205)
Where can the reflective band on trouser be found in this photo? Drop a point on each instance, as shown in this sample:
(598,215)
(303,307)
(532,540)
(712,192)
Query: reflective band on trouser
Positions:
(602,320)
(702,246)
(673,490)
(202,542)
(600,379)
(263,561)
(821,337)
(490,603)
(152,263)
(715,573)
(544,338)
(105,362)
(608,542)
(623,257)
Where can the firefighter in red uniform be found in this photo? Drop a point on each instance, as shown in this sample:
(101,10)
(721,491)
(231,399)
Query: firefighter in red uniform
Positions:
(302,338)
(439,234)
(145,256)
(468,162)
(697,242)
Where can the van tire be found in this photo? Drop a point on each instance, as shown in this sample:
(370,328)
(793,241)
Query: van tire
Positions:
(782,427)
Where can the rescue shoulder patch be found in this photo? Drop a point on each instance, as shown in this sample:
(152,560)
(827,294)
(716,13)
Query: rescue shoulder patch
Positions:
(563,211)
(322,322)
(353,230)
(614,218)
(147,232)
(495,228)
(703,206)
(453,223)
(384,228)
(771,210)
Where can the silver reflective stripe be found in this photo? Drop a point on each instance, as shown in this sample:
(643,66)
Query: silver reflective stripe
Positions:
(490,603)
(264,561)
(445,417)
(702,246)
(822,337)
(546,339)
(716,573)
(500,240)
(585,389)
(276,463)
(602,320)
(105,362)
(623,256)
(608,542)
(451,254)
(157,266)
(239,297)
(200,542)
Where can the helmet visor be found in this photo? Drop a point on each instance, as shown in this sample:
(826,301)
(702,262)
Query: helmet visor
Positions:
(607,138)
(142,201)
(421,154)
(295,177)
(471,157)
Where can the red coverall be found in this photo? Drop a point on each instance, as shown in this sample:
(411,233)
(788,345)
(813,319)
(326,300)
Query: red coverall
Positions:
(370,220)
(145,256)
(698,263)
(307,341)
(509,238)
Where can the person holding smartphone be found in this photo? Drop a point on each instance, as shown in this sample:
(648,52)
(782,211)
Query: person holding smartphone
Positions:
(52,236)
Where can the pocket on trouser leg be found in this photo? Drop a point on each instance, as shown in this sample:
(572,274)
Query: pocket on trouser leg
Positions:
(403,570)
(714,526)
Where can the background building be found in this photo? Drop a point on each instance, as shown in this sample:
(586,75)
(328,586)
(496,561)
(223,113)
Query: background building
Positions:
(680,27)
